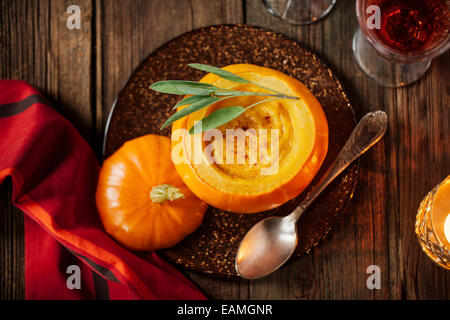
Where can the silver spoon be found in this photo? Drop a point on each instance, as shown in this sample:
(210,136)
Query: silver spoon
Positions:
(272,241)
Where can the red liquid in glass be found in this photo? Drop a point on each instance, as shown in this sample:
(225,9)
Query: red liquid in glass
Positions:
(412,25)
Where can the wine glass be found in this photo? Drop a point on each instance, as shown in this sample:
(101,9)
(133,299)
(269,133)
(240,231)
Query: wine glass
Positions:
(397,39)
(300,12)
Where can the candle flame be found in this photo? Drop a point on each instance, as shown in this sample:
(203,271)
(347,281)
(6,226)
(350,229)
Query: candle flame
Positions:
(447,228)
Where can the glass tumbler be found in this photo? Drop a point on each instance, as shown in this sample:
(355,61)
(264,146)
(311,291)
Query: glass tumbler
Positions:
(299,12)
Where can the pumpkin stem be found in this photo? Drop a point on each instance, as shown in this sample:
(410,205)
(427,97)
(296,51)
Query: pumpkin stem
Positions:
(164,192)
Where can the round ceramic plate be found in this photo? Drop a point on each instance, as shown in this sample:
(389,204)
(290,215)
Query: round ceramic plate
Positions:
(138,111)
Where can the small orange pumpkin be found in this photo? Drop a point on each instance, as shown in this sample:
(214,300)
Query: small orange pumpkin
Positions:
(142,201)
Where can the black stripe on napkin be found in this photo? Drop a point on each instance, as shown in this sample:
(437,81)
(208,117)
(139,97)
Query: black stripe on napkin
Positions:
(100,269)
(11,109)
(100,287)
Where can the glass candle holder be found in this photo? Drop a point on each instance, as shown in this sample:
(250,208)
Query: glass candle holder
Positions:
(433,224)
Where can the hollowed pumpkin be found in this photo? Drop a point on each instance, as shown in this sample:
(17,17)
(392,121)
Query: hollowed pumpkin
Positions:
(303,143)
(142,201)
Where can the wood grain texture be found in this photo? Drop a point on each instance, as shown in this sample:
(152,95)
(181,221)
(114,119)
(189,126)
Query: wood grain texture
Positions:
(82,71)
(12,242)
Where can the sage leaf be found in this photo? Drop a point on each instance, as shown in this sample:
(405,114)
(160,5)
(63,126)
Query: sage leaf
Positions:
(219,72)
(228,94)
(190,100)
(181,87)
(190,109)
(217,118)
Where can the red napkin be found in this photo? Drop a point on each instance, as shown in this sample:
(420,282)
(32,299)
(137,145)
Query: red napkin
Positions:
(54,175)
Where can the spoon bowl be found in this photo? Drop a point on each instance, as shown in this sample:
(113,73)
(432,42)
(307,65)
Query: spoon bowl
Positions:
(272,240)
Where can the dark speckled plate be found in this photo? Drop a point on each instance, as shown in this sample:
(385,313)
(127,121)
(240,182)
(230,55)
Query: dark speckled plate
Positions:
(139,111)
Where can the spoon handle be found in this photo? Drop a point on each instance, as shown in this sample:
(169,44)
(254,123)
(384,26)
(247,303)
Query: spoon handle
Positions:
(368,131)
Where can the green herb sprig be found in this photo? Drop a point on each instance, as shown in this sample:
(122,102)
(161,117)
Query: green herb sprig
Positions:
(203,95)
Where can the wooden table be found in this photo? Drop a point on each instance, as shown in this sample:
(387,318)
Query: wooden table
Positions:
(81,71)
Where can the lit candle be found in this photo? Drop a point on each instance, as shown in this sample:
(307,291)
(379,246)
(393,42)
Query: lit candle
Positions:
(441,213)
(447,228)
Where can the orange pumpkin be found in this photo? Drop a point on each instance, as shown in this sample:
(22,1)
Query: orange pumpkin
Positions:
(142,201)
(302,141)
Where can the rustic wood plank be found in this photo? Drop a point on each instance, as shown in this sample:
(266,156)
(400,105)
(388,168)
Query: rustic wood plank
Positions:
(395,175)
(12,253)
(98,75)
(36,46)
(70,65)
(423,126)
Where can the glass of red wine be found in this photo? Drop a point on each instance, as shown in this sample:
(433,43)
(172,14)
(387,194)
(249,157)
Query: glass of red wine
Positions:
(299,12)
(397,39)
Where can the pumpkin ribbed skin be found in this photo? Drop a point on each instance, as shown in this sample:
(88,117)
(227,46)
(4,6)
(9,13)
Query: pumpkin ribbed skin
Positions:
(123,197)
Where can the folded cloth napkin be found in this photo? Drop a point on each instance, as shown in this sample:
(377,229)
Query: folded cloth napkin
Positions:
(54,176)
